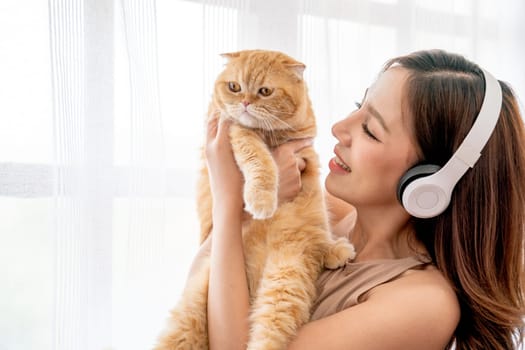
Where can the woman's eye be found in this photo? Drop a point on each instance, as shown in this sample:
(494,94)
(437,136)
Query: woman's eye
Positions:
(234,87)
(358,105)
(264,91)
(368,132)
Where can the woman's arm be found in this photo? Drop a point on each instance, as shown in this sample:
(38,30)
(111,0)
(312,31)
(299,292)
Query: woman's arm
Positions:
(228,301)
(228,289)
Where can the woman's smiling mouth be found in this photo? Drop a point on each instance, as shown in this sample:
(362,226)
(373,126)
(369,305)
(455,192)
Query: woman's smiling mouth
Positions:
(342,164)
(336,165)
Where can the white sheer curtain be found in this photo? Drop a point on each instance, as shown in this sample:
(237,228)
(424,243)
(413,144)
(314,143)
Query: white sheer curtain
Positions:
(101,120)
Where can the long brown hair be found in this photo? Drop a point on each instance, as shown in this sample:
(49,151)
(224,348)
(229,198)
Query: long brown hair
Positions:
(477,242)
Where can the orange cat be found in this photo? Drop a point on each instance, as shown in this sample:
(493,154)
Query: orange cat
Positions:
(286,246)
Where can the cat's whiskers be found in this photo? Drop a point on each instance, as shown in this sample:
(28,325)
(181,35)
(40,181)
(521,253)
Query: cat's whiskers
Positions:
(234,110)
(274,110)
(271,120)
(279,121)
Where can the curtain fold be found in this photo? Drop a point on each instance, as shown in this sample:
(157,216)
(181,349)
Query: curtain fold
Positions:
(82,72)
(139,251)
(66,22)
(97,190)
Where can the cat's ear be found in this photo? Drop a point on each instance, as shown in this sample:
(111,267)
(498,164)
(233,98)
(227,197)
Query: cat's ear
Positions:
(297,68)
(230,55)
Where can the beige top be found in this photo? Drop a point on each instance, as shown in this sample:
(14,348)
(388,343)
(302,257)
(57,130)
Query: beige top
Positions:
(342,288)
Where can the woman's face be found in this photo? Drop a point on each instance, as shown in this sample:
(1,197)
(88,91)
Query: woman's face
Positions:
(375,146)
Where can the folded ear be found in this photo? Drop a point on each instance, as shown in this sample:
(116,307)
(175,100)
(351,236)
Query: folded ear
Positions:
(297,68)
(230,55)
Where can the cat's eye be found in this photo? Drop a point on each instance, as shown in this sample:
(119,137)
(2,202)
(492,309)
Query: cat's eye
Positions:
(264,91)
(234,87)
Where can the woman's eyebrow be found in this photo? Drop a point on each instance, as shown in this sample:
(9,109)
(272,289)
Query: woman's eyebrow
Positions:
(378,116)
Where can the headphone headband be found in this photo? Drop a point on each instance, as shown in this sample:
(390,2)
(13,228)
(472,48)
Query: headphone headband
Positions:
(470,149)
(429,196)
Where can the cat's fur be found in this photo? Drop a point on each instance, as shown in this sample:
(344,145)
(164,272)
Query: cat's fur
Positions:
(286,246)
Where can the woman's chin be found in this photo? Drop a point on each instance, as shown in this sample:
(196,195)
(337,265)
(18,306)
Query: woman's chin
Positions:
(333,186)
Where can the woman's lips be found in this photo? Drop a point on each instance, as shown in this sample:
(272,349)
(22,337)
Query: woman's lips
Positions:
(342,164)
(338,166)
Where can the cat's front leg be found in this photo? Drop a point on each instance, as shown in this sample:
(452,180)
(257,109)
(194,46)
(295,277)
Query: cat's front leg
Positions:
(259,169)
(338,252)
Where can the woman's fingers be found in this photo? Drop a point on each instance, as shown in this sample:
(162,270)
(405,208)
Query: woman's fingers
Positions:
(225,177)
(292,147)
(290,164)
(223,129)
(217,136)
(301,163)
(298,145)
(211,127)
(288,154)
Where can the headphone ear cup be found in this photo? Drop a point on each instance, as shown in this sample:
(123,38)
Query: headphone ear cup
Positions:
(412,174)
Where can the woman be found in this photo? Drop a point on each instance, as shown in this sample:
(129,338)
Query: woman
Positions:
(457,277)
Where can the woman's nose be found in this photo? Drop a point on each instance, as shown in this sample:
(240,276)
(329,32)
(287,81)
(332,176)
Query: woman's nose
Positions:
(342,131)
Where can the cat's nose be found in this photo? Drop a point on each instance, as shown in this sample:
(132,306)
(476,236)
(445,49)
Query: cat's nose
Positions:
(245,103)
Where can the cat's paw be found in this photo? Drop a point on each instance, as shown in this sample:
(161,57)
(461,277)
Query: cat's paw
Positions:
(261,204)
(338,253)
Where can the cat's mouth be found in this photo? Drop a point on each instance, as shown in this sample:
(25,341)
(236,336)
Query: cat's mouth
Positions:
(248,120)
(254,120)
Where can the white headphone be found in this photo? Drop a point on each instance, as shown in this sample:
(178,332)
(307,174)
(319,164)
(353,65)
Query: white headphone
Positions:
(425,190)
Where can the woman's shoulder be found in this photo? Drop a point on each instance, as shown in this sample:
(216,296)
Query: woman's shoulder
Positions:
(422,294)
(424,286)
(417,310)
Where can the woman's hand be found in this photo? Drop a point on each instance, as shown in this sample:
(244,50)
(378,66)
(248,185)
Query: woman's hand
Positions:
(226,180)
(290,165)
